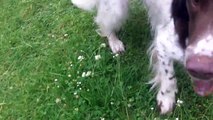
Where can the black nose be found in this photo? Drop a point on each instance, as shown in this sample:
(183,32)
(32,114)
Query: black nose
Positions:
(200,66)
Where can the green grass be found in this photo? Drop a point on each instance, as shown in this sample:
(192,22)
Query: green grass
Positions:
(41,76)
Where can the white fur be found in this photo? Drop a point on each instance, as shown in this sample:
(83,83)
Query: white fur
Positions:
(88,5)
(204,46)
(164,50)
(111,14)
(110,17)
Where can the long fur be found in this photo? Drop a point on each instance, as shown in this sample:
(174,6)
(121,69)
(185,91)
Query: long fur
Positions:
(87,5)
(111,14)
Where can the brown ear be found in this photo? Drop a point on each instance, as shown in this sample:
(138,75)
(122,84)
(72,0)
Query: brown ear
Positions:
(181,20)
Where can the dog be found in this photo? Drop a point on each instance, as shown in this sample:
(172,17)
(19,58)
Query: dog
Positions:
(182,31)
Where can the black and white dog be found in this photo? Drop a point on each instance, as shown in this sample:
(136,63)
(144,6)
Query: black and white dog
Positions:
(183,31)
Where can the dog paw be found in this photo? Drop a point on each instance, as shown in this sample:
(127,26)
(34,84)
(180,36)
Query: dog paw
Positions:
(116,46)
(166,102)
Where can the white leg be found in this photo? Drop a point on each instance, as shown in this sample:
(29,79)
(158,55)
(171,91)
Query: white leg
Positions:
(87,5)
(111,15)
(167,85)
(164,51)
(115,44)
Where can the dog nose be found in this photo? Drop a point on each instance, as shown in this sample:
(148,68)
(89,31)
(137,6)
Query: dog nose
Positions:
(200,67)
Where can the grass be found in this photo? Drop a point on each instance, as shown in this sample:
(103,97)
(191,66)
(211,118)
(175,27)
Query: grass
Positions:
(41,75)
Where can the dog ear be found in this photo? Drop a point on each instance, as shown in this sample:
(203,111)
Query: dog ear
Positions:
(181,20)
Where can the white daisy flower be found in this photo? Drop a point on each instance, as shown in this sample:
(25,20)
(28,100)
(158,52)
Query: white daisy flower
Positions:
(129,105)
(78,83)
(76,109)
(65,35)
(83,74)
(131,100)
(102,118)
(103,45)
(58,100)
(97,57)
(80,58)
(75,93)
(112,103)
(88,73)
(116,55)
(179,102)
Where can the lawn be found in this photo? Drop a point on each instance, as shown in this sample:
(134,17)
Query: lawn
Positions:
(54,66)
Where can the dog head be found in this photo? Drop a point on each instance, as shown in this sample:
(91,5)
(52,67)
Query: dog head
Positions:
(194,24)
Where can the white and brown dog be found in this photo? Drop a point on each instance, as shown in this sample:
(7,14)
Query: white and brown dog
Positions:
(183,31)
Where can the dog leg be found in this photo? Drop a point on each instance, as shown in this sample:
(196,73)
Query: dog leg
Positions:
(87,5)
(115,44)
(110,17)
(164,51)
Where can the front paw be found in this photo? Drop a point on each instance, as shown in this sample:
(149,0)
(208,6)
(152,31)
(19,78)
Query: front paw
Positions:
(166,102)
(116,46)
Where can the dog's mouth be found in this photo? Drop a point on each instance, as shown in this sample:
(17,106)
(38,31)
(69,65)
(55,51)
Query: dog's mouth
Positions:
(203,87)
